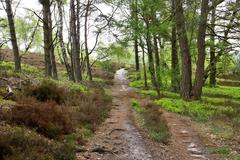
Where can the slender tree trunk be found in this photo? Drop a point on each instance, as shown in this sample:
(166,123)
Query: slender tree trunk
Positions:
(86,41)
(135,30)
(213,70)
(144,64)
(52,55)
(46,35)
(150,59)
(62,45)
(74,40)
(11,24)
(199,77)
(157,62)
(186,83)
(175,83)
(136,54)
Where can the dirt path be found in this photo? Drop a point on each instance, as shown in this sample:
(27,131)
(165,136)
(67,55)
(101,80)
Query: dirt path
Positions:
(118,138)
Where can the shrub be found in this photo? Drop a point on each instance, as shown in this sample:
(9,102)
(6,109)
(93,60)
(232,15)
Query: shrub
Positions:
(46,91)
(21,143)
(48,118)
(156,125)
(152,120)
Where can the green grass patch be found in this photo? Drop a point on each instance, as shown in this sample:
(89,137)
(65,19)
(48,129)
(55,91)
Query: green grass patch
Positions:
(195,109)
(136,106)
(220,150)
(8,68)
(222,91)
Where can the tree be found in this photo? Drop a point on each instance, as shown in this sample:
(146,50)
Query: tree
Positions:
(61,41)
(75,55)
(175,84)
(186,77)
(11,24)
(50,64)
(199,77)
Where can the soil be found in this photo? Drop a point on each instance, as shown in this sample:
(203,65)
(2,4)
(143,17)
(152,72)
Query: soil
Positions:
(120,137)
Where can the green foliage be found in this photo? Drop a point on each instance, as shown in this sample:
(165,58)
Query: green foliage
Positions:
(106,65)
(195,109)
(136,106)
(220,150)
(222,91)
(116,52)
(7,68)
(25,26)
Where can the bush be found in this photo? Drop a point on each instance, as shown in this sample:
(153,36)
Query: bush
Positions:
(90,109)
(46,91)
(21,143)
(156,125)
(48,118)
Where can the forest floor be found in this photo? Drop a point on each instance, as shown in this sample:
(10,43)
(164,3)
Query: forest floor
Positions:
(122,137)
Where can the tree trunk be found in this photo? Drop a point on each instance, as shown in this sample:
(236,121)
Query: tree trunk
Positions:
(144,64)
(52,55)
(175,83)
(11,24)
(136,54)
(213,70)
(199,76)
(135,30)
(157,62)
(150,59)
(186,83)
(74,40)
(62,45)
(46,35)
(86,41)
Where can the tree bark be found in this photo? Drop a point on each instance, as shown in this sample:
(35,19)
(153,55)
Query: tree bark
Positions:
(74,41)
(11,24)
(135,30)
(46,34)
(86,41)
(186,83)
(52,55)
(157,62)
(175,83)
(199,76)
(144,64)
(213,70)
(150,58)
(62,45)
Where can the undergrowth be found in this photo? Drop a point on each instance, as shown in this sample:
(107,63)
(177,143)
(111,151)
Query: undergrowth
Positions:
(152,121)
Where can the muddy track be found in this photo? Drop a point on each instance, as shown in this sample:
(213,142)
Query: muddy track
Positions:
(117,138)
(120,138)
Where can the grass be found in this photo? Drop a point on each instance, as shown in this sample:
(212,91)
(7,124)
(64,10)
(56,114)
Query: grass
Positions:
(222,91)
(220,150)
(7,68)
(152,121)
(195,109)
